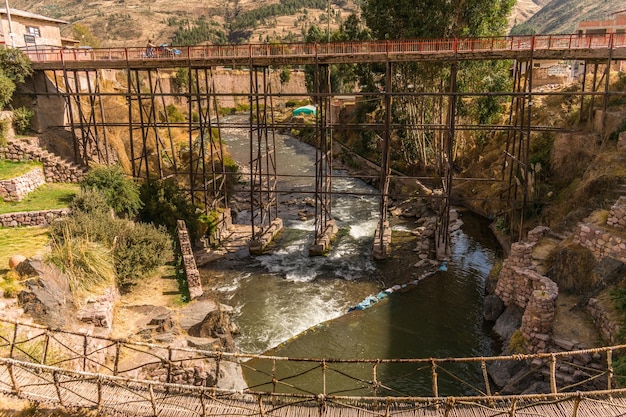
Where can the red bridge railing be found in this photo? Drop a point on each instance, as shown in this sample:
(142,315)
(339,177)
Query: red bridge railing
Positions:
(370,48)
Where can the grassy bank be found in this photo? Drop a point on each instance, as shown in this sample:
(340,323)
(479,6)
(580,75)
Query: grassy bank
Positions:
(46,197)
(27,241)
(10,169)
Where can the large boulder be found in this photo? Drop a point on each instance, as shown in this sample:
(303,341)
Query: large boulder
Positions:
(509,321)
(46,295)
(216,324)
(492,307)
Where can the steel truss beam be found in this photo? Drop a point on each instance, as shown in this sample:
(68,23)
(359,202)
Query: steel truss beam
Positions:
(86,113)
(515,167)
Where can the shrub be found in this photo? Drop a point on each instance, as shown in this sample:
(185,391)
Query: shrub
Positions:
(164,203)
(7,87)
(96,226)
(174,115)
(10,284)
(133,249)
(89,201)
(21,119)
(88,265)
(517,343)
(120,192)
(139,250)
(4,132)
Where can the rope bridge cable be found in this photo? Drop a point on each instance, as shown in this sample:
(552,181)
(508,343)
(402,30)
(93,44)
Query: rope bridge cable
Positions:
(74,369)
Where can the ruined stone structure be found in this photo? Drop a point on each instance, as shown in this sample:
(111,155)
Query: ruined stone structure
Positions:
(189,262)
(521,285)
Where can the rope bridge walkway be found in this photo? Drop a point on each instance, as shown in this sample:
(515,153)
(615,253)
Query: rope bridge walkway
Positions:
(118,377)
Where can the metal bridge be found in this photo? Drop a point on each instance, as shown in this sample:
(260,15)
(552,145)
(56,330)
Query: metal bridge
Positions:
(72,78)
(119,377)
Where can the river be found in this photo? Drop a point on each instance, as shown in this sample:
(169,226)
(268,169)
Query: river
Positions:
(280,295)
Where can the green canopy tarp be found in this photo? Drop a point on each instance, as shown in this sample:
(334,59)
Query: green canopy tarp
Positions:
(309,110)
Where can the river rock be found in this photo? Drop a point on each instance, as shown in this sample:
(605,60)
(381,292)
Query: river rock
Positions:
(502,373)
(195,312)
(15,260)
(493,307)
(46,295)
(509,321)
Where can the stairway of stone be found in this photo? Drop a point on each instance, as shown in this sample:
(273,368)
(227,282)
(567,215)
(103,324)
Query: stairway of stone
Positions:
(56,169)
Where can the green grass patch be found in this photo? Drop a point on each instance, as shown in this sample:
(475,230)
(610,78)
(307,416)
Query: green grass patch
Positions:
(12,169)
(27,241)
(46,197)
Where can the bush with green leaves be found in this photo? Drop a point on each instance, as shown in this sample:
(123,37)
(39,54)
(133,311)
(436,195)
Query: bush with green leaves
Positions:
(88,265)
(164,203)
(15,67)
(139,250)
(7,88)
(21,119)
(136,248)
(121,192)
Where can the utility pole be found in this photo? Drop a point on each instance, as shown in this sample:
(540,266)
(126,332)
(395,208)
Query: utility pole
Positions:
(327,21)
(6,5)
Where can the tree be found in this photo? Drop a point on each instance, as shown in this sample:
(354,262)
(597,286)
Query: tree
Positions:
(14,68)
(414,19)
(407,19)
(121,192)
(84,35)
(15,64)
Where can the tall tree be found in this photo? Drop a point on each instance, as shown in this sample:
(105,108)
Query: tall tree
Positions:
(414,19)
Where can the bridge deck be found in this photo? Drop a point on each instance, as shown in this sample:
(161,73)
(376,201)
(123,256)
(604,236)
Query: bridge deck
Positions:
(122,396)
(554,47)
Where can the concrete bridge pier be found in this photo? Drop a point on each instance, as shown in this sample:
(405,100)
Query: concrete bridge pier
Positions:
(322,242)
(265,236)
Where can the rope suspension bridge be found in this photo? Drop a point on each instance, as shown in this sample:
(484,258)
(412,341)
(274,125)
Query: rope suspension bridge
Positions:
(119,377)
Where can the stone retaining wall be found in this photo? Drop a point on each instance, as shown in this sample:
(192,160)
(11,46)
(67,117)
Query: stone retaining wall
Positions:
(521,285)
(189,262)
(617,215)
(608,329)
(32,218)
(55,169)
(15,189)
(601,242)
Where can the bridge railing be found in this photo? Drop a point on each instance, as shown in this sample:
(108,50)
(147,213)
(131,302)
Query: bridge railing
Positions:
(559,372)
(416,46)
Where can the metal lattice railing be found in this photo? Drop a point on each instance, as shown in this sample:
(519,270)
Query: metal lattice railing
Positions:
(352,49)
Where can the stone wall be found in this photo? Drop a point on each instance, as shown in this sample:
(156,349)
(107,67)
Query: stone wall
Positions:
(15,189)
(608,329)
(189,262)
(521,285)
(55,169)
(617,215)
(32,218)
(600,241)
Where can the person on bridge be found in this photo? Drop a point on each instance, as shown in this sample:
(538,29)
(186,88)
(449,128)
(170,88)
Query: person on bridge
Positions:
(150,49)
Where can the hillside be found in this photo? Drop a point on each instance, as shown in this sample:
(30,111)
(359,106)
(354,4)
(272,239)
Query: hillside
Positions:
(133,22)
(562,16)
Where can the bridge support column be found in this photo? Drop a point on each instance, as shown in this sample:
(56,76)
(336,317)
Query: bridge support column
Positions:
(325,227)
(382,237)
(442,235)
(263,186)
(515,167)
